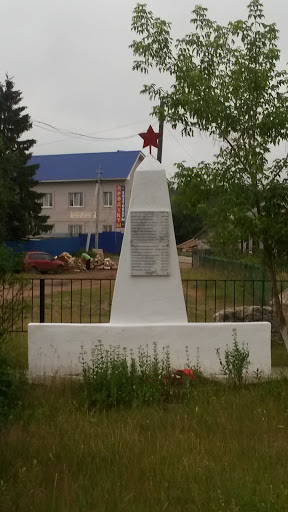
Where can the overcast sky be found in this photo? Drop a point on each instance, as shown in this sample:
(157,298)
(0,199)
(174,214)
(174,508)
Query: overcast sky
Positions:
(70,59)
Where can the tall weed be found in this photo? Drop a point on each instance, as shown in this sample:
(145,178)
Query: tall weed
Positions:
(236,361)
(12,304)
(12,382)
(115,377)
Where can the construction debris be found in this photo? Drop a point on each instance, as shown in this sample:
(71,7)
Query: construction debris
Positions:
(109,264)
(72,264)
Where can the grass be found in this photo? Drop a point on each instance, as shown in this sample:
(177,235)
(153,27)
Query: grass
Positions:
(17,352)
(90,301)
(279,355)
(221,450)
(83,301)
(201,303)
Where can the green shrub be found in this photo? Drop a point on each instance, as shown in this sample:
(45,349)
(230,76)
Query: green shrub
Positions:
(11,288)
(115,377)
(11,262)
(79,252)
(11,295)
(236,361)
(12,382)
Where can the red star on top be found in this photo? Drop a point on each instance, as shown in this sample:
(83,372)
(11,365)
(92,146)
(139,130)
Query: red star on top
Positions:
(150,138)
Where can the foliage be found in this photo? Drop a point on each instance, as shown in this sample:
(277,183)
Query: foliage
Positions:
(11,288)
(186,224)
(11,262)
(12,308)
(115,377)
(224,449)
(12,382)
(79,252)
(226,82)
(21,208)
(236,361)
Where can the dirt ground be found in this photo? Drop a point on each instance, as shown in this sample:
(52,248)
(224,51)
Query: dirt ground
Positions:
(59,282)
(89,274)
(63,281)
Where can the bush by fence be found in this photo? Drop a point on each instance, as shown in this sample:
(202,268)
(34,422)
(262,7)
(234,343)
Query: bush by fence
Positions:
(240,269)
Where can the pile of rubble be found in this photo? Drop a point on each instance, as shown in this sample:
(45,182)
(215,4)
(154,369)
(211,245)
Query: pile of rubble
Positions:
(99,262)
(72,264)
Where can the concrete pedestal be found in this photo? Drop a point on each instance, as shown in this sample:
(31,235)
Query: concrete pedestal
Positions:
(55,349)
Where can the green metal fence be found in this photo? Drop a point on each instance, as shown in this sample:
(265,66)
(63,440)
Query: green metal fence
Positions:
(235,268)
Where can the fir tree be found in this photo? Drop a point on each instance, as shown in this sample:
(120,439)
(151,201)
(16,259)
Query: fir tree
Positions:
(21,207)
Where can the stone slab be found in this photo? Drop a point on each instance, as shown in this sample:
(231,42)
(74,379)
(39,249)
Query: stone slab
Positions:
(55,349)
(149,243)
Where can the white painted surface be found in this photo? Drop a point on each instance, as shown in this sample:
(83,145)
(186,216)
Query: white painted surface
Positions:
(54,349)
(146,309)
(61,214)
(148,299)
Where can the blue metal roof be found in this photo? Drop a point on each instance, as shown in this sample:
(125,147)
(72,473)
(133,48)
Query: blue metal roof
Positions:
(84,166)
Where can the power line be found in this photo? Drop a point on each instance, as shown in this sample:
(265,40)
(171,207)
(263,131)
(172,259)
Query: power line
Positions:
(119,126)
(83,136)
(101,131)
(62,131)
(181,145)
(56,141)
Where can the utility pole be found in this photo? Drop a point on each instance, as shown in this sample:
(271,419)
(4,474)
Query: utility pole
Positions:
(97,191)
(161,129)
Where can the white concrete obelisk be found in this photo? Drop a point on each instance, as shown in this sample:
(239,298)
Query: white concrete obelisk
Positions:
(148,286)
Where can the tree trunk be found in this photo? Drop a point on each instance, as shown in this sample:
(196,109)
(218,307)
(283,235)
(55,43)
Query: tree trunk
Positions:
(278,307)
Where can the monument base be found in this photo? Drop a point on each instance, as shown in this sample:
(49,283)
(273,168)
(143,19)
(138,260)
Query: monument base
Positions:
(55,349)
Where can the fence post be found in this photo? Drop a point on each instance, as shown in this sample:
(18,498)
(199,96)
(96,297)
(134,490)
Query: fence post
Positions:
(263,291)
(42,301)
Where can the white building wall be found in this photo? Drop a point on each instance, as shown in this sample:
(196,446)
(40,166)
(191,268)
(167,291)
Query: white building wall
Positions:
(62,215)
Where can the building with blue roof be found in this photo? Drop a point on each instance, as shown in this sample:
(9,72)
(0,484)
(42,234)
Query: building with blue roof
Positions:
(86,192)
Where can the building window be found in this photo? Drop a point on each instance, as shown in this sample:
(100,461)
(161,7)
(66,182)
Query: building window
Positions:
(107,228)
(74,230)
(46,200)
(75,198)
(107,197)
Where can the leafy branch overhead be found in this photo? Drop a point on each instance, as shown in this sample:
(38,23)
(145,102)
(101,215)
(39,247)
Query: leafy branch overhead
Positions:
(226,82)
(221,74)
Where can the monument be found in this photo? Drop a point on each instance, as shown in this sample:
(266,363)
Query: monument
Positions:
(148,303)
(148,286)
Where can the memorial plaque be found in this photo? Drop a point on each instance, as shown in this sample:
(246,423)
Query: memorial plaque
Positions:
(150,243)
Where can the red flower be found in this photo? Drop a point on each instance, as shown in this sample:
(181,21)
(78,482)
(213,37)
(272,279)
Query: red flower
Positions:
(188,372)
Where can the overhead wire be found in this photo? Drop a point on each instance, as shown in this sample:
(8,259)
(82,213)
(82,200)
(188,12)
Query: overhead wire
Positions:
(119,126)
(89,137)
(49,127)
(181,145)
